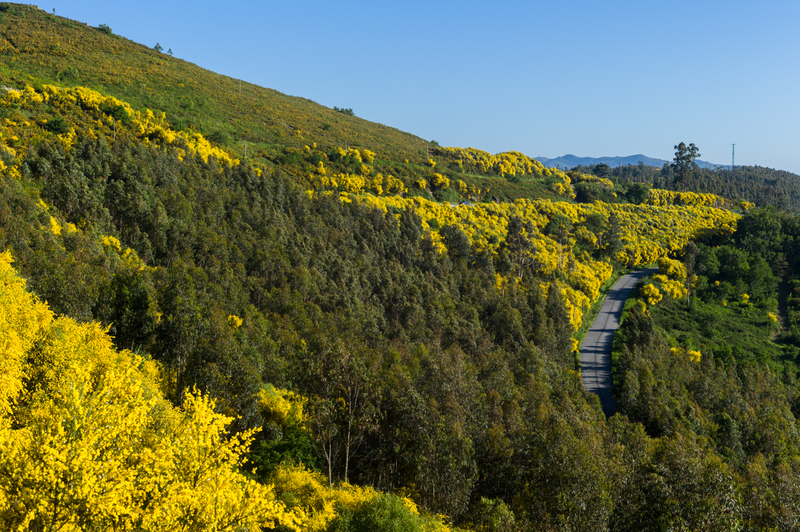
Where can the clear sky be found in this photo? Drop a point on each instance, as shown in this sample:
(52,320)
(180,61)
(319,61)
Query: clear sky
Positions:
(591,78)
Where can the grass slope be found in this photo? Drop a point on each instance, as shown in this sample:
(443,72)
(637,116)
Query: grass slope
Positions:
(741,332)
(39,47)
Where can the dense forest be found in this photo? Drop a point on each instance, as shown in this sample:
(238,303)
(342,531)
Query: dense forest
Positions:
(352,329)
(761,186)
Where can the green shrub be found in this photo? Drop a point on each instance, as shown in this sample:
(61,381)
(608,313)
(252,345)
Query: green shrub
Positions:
(56,125)
(384,513)
(69,73)
(448,194)
(220,137)
(348,111)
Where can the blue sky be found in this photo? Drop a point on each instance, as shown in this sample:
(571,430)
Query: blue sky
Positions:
(589,78)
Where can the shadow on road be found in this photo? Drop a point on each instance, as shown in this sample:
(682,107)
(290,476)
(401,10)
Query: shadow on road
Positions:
(596,347)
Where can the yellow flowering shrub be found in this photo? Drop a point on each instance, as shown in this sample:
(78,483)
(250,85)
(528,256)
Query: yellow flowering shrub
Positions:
(55,227)
(650,294)
(351,155)
(312,501)
(577,177)
(671,277)
(392,185)
(662,197)
(694,356)
(112,243)
(145,125)
(127,256)
(649,232)
(510,163)
(561,189)
(439,181)
(356,183)
(283,407)
(673,288)
(22,318)
(96,446)
(234,321)
(672,268)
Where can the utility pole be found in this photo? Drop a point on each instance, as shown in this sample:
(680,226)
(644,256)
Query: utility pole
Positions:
(733,155)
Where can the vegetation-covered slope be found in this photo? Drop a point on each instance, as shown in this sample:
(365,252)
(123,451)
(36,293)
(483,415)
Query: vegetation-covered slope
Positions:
(375,336)
(755,184)
(57,50)
(722,360)
(90,443)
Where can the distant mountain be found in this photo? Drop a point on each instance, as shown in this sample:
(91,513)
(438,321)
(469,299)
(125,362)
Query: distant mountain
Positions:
(570,161)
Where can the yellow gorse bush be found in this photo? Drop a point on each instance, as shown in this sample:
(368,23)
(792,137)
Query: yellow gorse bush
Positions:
(691,354)
(234,321)
(669,197)
(368,156)
(280,406)
(22,317)
(672,277)
(508,163)
(650,294)
(589,178)
(96,446)
(128,256)
(146,125)
(438,181)
(315,502)
(355,184)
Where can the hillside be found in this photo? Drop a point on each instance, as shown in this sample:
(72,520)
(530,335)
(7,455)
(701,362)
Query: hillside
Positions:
(53,49)
(273,128)
(386,332)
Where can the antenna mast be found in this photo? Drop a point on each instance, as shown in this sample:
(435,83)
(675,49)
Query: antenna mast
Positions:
(733,155)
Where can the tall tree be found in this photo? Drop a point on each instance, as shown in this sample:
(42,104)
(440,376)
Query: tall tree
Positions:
(519,245)
(684,164)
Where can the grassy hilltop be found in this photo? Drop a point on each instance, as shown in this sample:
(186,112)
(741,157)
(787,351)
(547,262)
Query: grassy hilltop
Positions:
(51,49)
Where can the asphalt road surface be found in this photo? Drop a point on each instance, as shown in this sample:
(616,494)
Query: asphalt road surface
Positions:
(596,347)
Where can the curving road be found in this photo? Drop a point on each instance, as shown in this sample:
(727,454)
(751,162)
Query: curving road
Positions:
(596,347)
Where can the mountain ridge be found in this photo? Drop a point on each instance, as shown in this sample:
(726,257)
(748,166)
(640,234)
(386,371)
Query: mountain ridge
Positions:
(569,161)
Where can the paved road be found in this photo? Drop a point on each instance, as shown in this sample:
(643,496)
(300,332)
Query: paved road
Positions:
(596,347)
